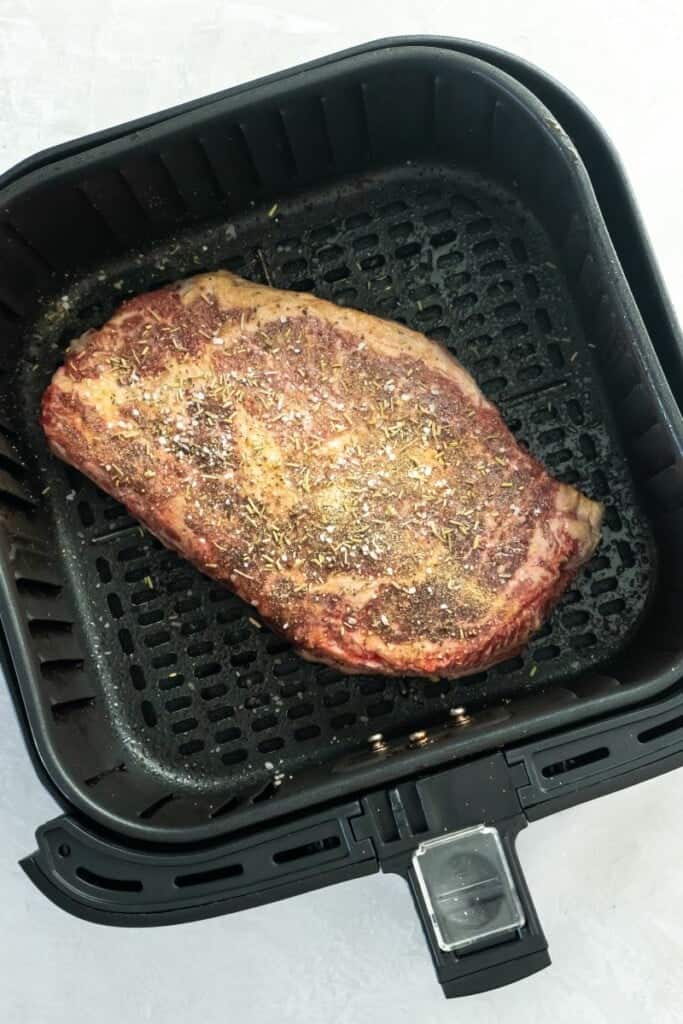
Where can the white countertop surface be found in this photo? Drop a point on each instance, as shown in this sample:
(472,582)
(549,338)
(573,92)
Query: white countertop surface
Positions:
(606,877)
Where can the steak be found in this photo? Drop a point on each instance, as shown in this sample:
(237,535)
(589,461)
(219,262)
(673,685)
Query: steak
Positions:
(341,473)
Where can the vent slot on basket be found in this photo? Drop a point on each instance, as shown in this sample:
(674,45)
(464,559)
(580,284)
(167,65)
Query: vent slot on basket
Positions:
(109,884)
(571,764)
(220,874)
(663,729)
(306,850)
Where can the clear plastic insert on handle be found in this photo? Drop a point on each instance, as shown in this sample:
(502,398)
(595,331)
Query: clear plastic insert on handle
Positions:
(467,887)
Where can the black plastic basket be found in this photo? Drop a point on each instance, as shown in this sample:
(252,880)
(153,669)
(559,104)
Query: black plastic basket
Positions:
(425,180)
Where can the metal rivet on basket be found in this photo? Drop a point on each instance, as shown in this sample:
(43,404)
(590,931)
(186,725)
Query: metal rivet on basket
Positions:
(377,742)
(419,738)
(460,716)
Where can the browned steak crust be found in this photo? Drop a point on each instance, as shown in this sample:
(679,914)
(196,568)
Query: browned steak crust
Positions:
(342,473)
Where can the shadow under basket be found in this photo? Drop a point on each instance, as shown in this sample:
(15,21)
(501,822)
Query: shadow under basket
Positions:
(417,184)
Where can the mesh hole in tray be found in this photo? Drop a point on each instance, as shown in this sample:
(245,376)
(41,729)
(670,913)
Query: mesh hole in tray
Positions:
(188,672)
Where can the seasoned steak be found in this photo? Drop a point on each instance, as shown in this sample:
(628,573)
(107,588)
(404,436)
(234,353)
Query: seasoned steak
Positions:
(342,473)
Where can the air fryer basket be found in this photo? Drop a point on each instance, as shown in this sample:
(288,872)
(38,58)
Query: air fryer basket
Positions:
(416,184)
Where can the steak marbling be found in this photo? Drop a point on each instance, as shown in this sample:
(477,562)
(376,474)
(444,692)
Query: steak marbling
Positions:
(342,473)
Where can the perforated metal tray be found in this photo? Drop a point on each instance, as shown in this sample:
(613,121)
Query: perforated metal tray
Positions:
(419,185)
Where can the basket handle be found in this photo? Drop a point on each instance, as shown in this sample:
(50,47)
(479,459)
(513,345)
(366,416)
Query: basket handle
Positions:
(499,959)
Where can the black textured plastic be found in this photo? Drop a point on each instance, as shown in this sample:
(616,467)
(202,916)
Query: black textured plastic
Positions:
(186,671)
(401,182)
